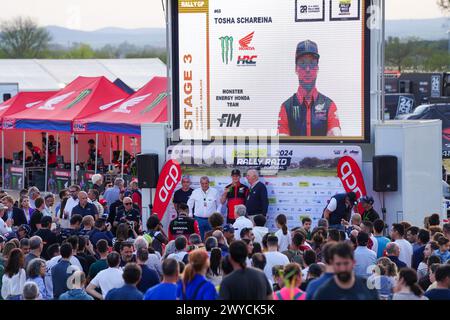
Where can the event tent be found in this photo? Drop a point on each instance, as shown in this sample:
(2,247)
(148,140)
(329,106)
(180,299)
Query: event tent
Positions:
(22,101)
(147,105)
(18,103)
(81,98)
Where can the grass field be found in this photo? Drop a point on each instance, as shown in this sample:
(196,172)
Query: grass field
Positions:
(220,172)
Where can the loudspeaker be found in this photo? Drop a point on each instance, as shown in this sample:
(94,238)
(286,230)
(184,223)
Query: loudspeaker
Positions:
(147,170)
(385,177)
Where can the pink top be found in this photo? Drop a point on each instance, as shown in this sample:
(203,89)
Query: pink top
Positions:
(289,294)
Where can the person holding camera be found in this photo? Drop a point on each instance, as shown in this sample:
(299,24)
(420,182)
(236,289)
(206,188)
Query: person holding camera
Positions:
(128,214)
(102,230)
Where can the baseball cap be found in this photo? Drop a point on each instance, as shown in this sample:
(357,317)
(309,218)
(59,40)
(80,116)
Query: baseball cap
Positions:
(307,47)
(352,197)
(102,202)
(25,228)
(235,172)
(228,228)
(367,199)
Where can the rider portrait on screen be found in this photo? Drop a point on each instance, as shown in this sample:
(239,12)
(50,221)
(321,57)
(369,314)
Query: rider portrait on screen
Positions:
(308,112)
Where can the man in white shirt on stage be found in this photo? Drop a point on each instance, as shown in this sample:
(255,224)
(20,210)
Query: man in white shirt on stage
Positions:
(202,203)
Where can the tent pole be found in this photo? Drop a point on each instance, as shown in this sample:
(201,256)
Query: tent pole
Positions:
(76,150)
(110,148)
(72,158)
(24,156)
(96,151)
(123,156)
(46,162)
(3,159)
(57,143)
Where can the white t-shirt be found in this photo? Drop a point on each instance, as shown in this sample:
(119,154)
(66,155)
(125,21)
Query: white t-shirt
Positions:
(274,258)
(406,251)
(239,224)
(178,256)
(259,233)
(375,243)
(108,279)
(4,229)
(13,286)
(284,241)
(332,205)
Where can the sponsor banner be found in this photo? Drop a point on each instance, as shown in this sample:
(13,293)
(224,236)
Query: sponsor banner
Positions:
(352,179)
(436,86)
(345,9)
(169,177)
(405,105)
(79,126)
(309,10)
(298,189)
(250,69)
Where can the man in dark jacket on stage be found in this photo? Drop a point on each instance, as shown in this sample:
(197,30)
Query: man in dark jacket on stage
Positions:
(257,201)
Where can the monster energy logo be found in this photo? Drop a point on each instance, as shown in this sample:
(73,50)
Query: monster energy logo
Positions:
(155,102)
(83,94)
(227,48)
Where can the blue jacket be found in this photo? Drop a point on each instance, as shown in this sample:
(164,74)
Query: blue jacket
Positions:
(60,274)
(400,264)
(45,295)
(127,292)
(417,257)
(96,235)
(316,283)
(198,289)
(443,255)
(257,201)
(75,294)
(90,209)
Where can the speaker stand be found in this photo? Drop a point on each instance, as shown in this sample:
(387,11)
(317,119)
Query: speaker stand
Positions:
(383,212)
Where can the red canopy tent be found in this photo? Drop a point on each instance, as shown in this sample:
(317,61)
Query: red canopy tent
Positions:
(22,101)
(147,105)
(81,98)
(18,103)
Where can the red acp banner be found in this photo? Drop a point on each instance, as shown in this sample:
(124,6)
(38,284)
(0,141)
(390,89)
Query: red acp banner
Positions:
(169,178)
(352,179)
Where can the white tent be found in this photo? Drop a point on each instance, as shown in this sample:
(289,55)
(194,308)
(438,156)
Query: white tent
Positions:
(54,74)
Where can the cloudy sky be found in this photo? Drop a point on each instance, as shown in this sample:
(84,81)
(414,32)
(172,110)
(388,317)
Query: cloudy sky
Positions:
(96,14)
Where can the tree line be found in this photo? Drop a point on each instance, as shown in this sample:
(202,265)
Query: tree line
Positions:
(23,38)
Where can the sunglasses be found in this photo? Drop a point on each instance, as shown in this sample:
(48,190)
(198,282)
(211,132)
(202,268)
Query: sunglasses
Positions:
(128,203)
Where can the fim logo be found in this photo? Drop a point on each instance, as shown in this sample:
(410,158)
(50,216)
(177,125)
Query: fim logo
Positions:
(344,6)
(230,120)
(246,61)
(226,44)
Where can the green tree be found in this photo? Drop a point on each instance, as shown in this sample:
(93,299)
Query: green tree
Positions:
(80,51)
(444,4)
(397,51)
(23,38)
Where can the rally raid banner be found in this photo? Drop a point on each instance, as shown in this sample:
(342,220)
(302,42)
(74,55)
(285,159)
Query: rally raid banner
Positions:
(299,179)
(237,67)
